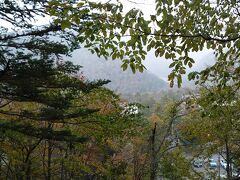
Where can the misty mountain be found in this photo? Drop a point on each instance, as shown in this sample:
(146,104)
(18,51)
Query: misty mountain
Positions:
(124,82)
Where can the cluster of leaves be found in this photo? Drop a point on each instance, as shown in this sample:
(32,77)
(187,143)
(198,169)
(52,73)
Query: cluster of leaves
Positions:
(180,27)
(175,166)
(102,28)
(192,26)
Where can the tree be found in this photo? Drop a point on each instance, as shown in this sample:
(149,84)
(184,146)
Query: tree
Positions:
(71,23)
(32,69)
(39,91)
(213,125)
(191,26)
(163,142)
(204,24)
(43,107)
(175,166)
(80,145)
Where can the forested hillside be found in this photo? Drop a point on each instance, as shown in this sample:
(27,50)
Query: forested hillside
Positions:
(124,82)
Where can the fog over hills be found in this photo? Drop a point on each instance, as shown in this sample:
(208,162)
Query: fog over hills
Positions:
(160,66)
(124,82)
(154,79)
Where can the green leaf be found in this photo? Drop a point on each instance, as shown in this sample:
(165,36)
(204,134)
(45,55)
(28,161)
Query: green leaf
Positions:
(133,68)
(124,66)
(140,68)
(182,71)
(65,24)
(172,64)
(114,56)
(190,64)
(179,80)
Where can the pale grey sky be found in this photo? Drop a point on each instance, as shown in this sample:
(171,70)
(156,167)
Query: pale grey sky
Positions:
(159,66)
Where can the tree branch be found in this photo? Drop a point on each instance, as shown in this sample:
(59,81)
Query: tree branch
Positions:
(51,28)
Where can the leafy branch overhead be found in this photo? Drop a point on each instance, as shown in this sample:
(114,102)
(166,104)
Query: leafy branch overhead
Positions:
(176,29)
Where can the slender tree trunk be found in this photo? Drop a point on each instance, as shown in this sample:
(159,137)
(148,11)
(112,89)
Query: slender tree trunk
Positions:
(153,165)
(62,169)
(27,162)
(28,170)
(1,164)
(219,167)
(7,174)
(49,161)
(27,165)
(228,159)
(43,160)
(136,167)
(9,170)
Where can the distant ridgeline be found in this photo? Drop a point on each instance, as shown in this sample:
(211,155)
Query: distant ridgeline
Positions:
(124,82)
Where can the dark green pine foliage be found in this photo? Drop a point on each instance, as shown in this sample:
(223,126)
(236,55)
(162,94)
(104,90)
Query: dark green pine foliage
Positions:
(45,84)
(32,72)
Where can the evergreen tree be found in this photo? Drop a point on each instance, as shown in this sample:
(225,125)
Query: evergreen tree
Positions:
(46,109)
(32,70)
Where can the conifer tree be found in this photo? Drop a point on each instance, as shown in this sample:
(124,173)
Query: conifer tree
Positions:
(32,71)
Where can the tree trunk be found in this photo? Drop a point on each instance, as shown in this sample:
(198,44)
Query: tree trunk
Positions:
(228,160)
(153,165)
(28,170)
(62,170)
(49,161)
